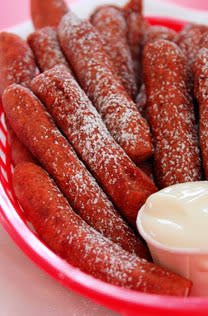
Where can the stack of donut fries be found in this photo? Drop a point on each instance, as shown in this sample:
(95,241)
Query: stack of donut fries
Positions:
(102,113)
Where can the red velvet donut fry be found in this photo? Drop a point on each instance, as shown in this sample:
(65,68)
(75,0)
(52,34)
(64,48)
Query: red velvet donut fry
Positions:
(36,129)
(133,6)
(171,115)
(19,153)
(137,26)
(83,48)
(47,12)
(157,32)
(46,48)
(152,34)
(204,41)
(17,65)
(111,24)
(126,185)
(17,62)
(71,238)
(189,40)
(201,93)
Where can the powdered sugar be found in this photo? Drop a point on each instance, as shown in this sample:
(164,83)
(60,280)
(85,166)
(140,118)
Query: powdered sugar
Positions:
(16,60)
(190,39)
(201,93)
(94,72)
(46,48)
(69,236)
(171,115)
(111,25)
(86,131)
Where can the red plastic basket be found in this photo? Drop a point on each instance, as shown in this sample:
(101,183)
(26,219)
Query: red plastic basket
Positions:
(121,300)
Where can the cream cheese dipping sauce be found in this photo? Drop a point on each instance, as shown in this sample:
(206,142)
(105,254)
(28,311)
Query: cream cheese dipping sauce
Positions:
(177,216)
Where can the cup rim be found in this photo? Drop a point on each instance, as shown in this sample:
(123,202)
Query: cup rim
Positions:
(158,245)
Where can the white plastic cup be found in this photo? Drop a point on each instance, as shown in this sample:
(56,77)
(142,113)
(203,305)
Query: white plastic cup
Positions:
(189,263)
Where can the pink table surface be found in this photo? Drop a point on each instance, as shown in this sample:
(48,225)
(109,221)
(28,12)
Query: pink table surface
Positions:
(192,4)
